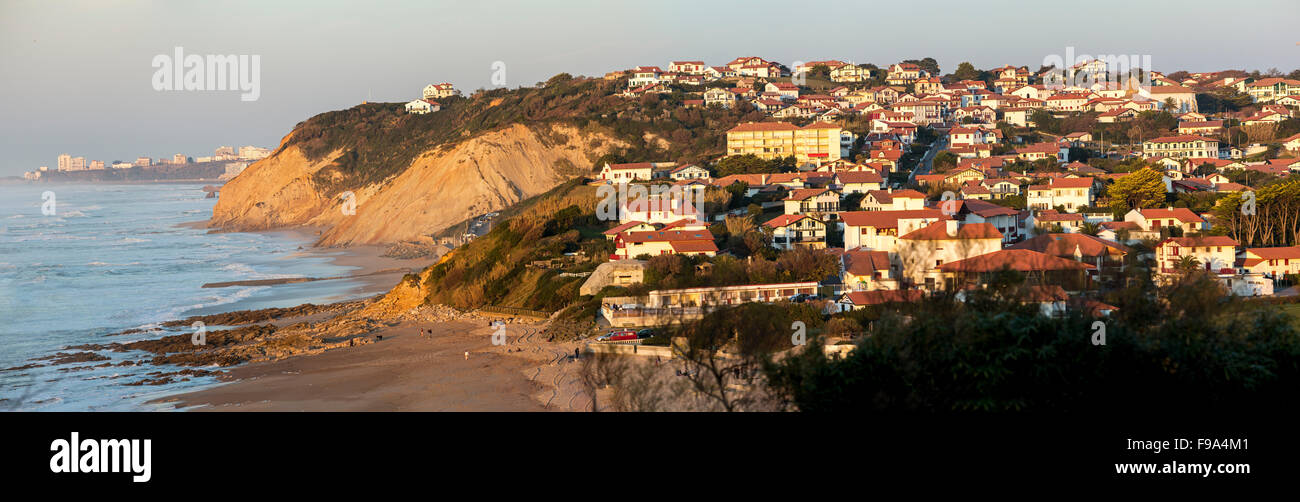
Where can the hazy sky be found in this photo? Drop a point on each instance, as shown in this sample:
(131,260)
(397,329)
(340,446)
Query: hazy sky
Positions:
(77,75)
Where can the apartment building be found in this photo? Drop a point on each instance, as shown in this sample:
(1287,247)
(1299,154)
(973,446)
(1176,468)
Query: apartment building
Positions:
(1181,146)
(1217,254)
(1072,193)
(815,142)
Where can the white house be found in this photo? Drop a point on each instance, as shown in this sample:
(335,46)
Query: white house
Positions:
(422,106)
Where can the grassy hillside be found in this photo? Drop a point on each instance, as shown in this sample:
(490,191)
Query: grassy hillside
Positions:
(496,269)
(379,140)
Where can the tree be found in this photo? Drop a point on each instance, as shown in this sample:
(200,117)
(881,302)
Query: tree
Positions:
(927,64)
(723,352)
(1186,265)
(743,164)
(944,161)
(1090,228)
(609,158)
(1141,189)
(1178,348)
(966,71)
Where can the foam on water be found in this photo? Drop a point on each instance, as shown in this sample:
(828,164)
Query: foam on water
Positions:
(112,258)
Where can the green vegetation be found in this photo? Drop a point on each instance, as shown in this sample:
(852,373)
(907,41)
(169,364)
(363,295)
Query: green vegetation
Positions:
(498,268)
(1183,348)
(1274,221)
(1141,189)
(378,140)
(751,164)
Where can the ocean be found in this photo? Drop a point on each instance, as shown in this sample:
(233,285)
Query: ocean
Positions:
(115,257)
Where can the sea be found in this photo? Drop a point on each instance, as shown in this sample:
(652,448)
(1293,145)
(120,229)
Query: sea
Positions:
(81,262)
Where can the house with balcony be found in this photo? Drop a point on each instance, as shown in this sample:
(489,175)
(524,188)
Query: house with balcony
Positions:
(1216,254)
(905,74)
(797,230)
(1181,146)
(1070,193)
(1101,253)
(1155,220)
(629,245)
(922,251)
(893,200)
(862,270)
(820,203)
(879,230)
(1274,263)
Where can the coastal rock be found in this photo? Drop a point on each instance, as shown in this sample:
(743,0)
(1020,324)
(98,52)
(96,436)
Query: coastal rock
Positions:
(442,187)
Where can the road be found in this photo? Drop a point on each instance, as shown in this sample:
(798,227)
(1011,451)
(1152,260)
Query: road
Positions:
(927,160)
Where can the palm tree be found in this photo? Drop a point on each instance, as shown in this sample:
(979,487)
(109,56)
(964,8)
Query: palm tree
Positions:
(1187,264)
(1090,228)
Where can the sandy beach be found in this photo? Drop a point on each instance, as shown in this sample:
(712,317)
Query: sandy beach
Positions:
(409,361)
(409,370)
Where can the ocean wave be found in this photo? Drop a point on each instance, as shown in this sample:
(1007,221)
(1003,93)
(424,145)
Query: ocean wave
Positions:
(239,294)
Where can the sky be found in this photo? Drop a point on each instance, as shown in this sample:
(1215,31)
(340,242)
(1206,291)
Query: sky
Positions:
(77,77)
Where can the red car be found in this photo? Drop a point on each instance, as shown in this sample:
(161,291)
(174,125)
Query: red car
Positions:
(622,334)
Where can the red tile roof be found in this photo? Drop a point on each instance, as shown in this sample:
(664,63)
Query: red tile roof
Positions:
(1181,213)
(1022,260)
(783,220)
(1180,139)
(1276,253)
(619,229)
(804,193)
(938,231)
(865,262)
(886,219)
(1214,240)
(859,177)
(1065,245)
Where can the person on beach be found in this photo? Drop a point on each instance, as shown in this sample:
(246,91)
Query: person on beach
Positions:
(467,355)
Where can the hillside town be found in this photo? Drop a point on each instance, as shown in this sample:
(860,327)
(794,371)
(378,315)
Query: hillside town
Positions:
(920,183)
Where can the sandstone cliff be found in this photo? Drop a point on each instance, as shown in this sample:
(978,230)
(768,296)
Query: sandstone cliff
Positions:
(441,187)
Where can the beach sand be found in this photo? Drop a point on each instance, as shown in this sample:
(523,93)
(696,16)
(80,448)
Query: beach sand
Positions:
(408,371)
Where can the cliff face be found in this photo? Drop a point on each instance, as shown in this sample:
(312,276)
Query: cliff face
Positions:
(442,187)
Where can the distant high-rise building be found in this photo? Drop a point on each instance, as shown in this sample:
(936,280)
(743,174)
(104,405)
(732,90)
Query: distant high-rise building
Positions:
(178,159)
(96,164)
(65,161)
(253,152)
(78,164)
(225,150)
(143,161)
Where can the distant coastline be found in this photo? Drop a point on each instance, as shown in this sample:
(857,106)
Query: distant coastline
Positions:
(194,172)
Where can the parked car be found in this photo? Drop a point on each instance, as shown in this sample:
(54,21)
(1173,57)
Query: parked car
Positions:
(799,298)
(645,333)
(618,334)
(623,335)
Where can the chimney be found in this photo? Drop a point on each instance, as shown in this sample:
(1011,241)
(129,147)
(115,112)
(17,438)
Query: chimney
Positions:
(952,226)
